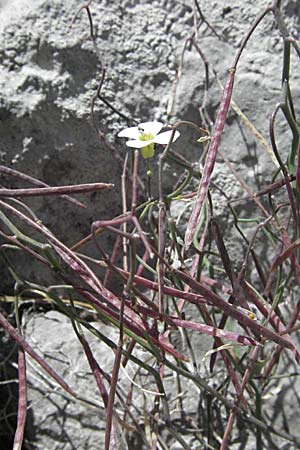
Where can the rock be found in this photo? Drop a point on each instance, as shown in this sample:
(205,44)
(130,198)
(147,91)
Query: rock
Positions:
(49,75)
(60,422)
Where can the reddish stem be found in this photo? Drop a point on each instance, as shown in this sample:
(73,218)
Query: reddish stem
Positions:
(210,160)
(22,401)
(28,349)
(27,178)
(59,190)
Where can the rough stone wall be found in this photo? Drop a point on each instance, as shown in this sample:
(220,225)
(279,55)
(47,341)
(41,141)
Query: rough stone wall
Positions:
(50,72)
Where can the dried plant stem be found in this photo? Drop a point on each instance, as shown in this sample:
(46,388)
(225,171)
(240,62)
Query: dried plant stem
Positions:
(22,401)
(87,8)
(216,139)
(23,177)
(234,312)
(282,166)
(233,412)
(124,208)
(60,190)
(28,349)
(210,160)
(114,381)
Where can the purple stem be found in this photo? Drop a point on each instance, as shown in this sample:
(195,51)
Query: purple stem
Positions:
(233,412)
(22,401)
(232,311)
(114,381)
(298,168)
(216,138)
(213,331)
(59,190)
(28,349)
(95,368)
(35,182)
(210,160)
(189,296)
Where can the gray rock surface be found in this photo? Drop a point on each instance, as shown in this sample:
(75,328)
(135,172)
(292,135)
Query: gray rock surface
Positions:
(59,422)
(49,74)
(62,423)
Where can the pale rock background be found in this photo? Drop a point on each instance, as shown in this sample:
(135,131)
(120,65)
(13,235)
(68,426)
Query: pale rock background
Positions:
(49,74)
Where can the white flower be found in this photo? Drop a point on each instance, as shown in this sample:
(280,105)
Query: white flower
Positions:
(146,135)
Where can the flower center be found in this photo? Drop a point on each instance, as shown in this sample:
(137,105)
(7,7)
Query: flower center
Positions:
(146,137)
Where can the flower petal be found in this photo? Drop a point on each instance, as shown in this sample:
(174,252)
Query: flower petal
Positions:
(151,127)
(132,133)
(138,143)
(163,138)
